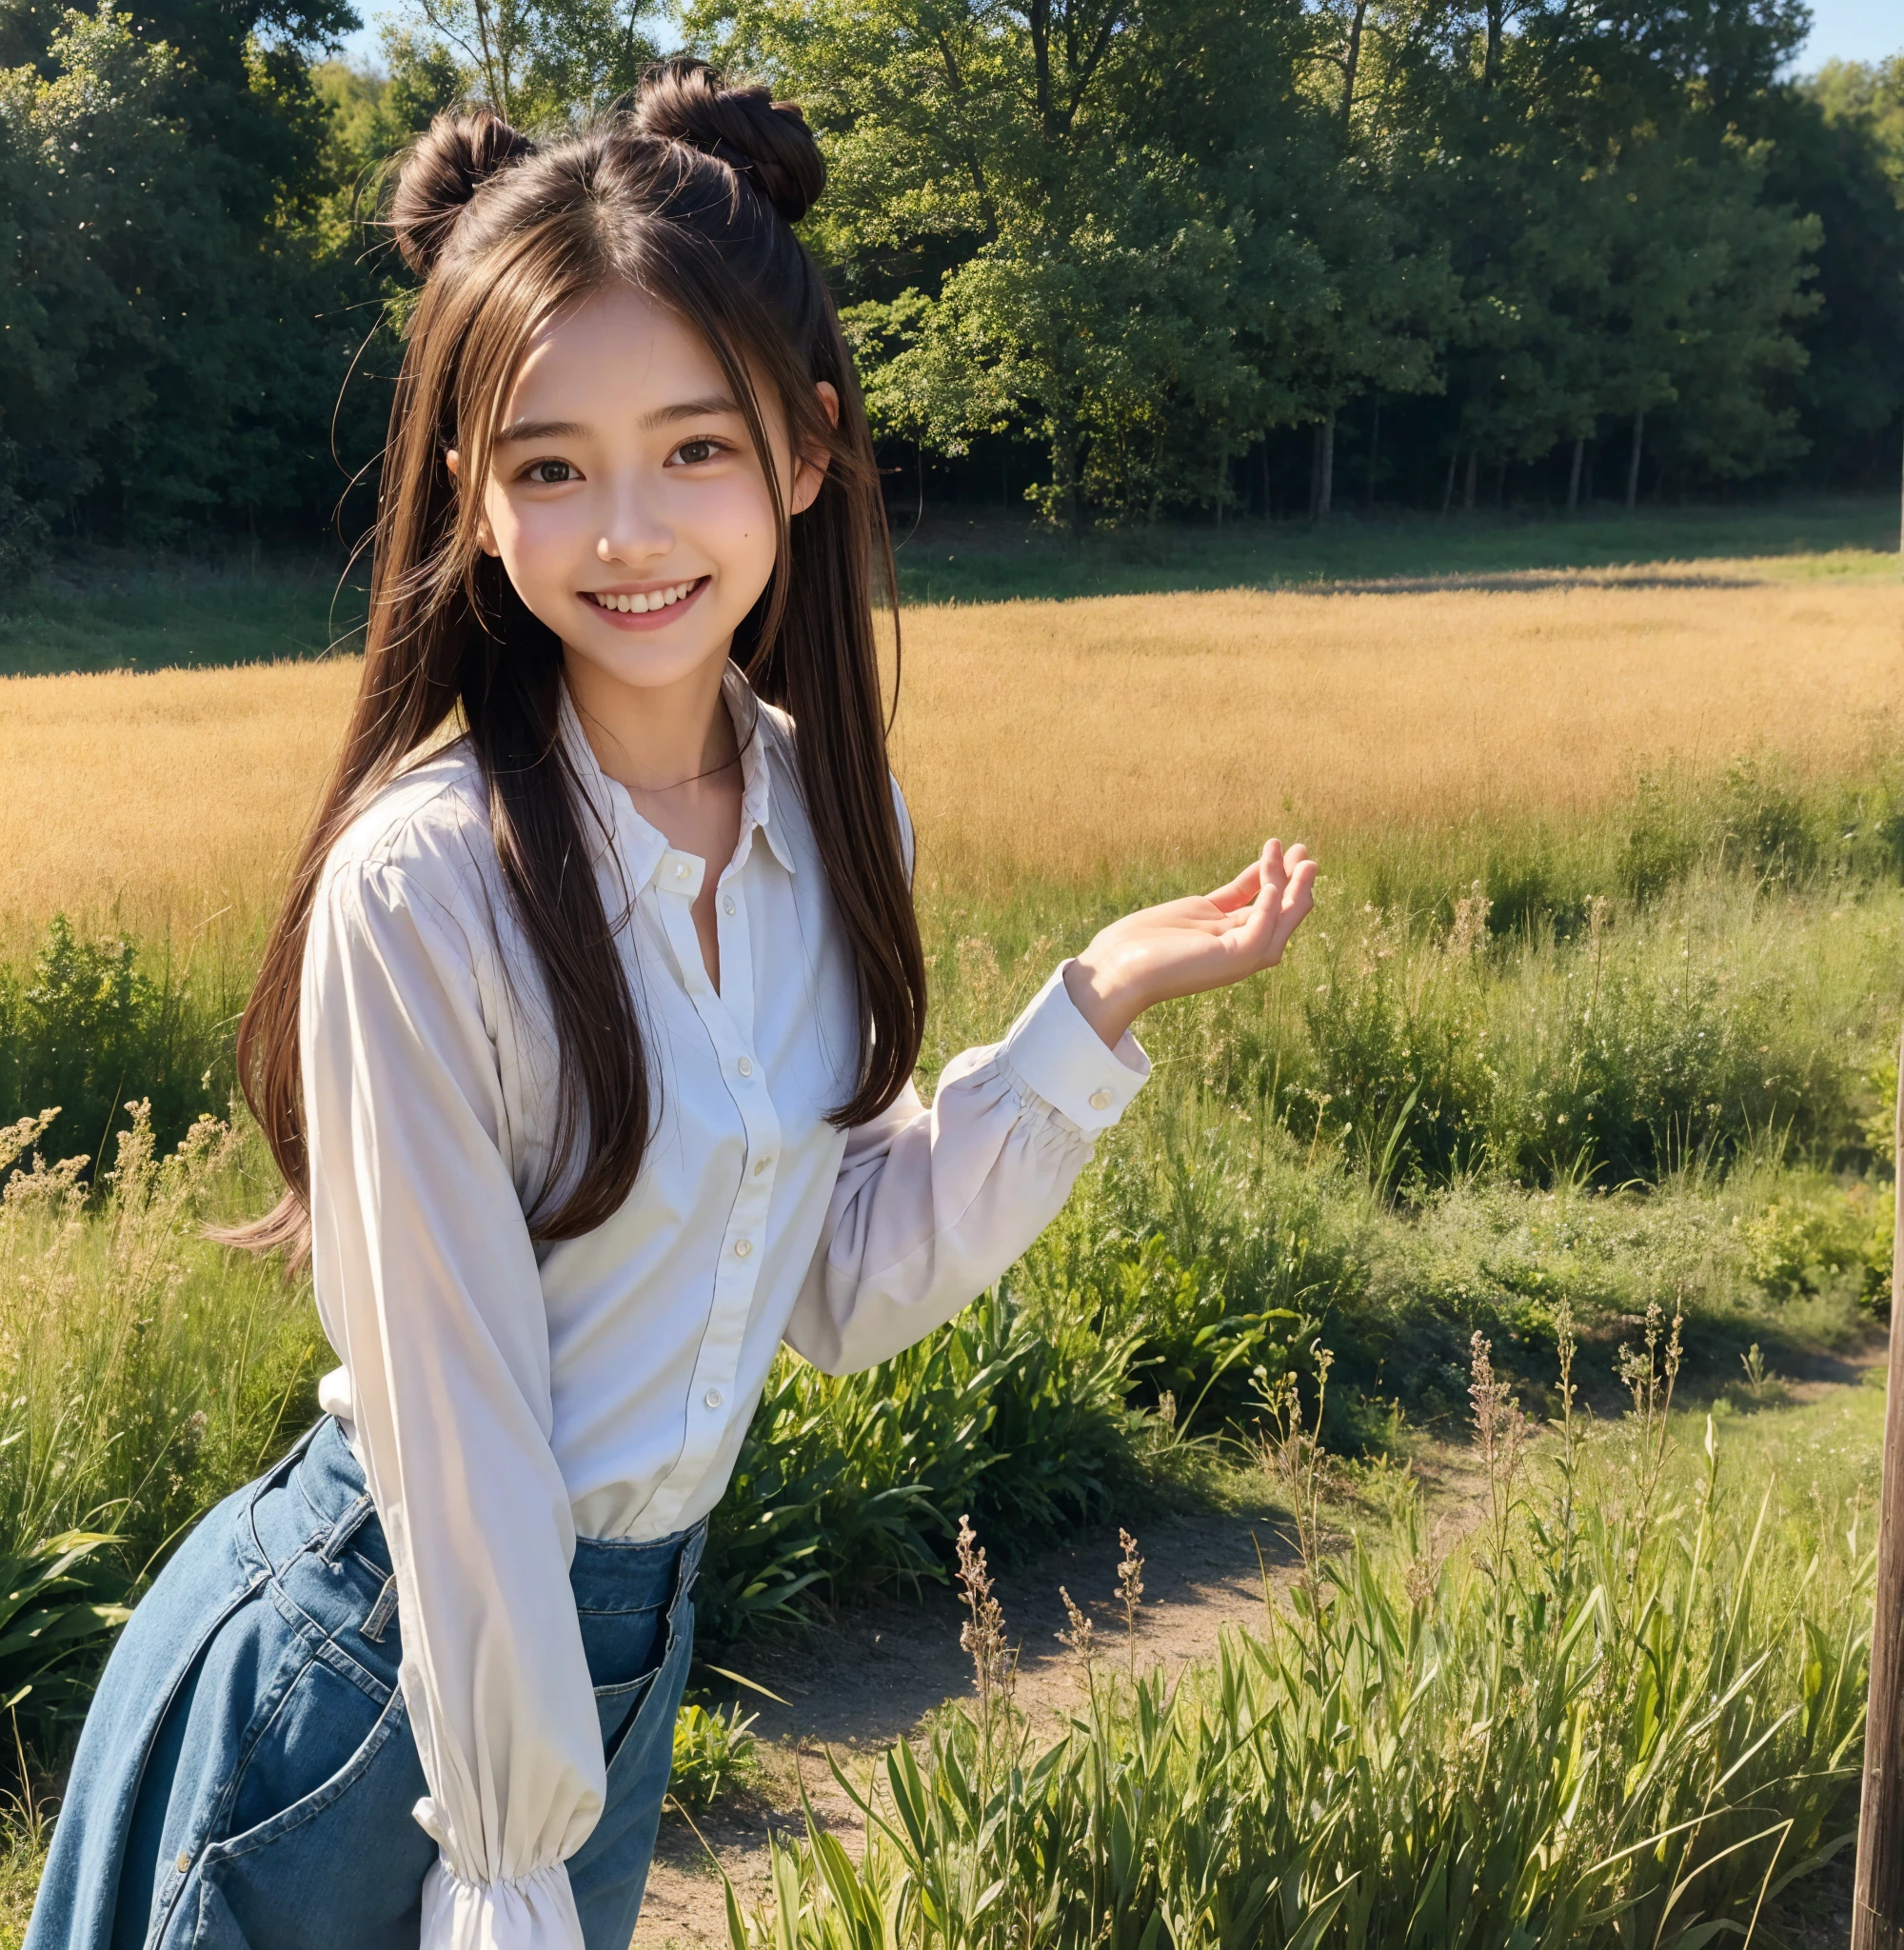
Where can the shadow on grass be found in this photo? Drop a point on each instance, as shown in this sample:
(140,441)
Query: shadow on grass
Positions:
(107,610)
(964,555)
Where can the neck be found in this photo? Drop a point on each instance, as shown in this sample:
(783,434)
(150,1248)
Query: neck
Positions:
(651,737)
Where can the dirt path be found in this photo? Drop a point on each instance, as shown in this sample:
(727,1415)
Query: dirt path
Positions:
(871,1679)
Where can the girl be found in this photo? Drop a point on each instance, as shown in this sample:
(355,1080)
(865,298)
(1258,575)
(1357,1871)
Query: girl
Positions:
(584,1043)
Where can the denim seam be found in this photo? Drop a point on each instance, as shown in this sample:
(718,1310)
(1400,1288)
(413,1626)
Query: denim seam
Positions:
(322,1644)
(270,1706)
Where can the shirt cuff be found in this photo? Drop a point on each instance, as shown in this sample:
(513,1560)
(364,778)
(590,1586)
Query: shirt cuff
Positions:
(1053,1051)
(532,1912)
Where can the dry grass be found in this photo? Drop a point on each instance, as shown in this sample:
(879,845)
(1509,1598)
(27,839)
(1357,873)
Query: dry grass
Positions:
(1057,739)
(1061,738)
(165,804)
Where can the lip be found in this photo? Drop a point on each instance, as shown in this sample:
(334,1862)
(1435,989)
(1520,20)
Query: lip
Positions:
(648,620)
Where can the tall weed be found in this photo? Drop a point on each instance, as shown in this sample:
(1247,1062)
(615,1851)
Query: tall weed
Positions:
(1628,1710)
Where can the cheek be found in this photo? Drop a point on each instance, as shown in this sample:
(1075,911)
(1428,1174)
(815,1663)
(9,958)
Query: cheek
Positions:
(528,534)
(733,523)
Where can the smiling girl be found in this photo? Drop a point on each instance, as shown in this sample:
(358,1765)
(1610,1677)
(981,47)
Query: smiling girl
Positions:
(584,1043)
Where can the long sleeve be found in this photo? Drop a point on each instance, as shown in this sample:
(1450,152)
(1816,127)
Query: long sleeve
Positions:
(933,1205)
(429,1289)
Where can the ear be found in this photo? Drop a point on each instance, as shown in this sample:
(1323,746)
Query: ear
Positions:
(485,538)
(811,469)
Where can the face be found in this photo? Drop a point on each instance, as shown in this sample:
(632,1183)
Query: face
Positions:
(624,497)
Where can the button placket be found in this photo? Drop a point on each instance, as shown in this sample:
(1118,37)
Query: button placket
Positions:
(722,1013)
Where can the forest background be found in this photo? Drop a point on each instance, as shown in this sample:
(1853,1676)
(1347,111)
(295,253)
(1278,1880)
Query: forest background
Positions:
(1121,259)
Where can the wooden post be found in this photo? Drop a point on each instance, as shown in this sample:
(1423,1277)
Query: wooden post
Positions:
(1877,1907)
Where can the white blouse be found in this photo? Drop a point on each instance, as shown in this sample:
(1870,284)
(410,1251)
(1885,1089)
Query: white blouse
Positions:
(504,1398)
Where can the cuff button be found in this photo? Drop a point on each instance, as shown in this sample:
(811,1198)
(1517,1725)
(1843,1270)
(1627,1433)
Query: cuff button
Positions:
(1101,1100)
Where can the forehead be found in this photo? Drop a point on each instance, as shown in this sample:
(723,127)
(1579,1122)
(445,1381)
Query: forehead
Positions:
(616,351)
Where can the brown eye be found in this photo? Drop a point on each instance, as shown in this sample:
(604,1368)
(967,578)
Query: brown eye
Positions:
(694,451)
(550,473)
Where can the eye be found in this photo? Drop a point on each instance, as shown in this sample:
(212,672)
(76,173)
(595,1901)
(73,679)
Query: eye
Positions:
(695,453)
(549,473)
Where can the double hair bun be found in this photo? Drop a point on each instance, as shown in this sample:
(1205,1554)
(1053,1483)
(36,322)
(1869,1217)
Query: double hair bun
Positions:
(764,142)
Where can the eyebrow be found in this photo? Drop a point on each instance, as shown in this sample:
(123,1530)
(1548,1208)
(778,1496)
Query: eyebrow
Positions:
(538,429)
(519,430)
(690,409)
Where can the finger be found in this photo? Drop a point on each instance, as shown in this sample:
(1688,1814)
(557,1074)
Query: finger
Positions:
(1238,892)
(1297,902)
(1274,874)
(1262,879)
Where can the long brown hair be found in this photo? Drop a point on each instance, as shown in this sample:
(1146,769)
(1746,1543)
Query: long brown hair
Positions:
(688,194)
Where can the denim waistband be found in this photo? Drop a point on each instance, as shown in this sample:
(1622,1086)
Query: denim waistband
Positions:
(608,1573)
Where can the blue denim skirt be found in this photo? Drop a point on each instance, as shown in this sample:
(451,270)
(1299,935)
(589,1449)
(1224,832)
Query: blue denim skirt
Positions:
(246,1775)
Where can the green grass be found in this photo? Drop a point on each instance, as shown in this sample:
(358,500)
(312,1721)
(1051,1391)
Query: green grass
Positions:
(107,612)
(963,555)
(104,611)
(1625,1709)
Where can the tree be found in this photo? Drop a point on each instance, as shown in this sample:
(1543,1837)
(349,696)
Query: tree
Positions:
(1608,225)
(1069,217)
(538,63)
(1838,153)
(162,361)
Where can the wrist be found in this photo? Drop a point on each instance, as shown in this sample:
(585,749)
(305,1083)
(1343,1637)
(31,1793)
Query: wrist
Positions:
(1105,999)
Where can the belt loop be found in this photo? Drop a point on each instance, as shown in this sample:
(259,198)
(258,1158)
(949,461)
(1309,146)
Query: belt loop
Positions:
(382,1611)
(688,1568)
(345,1528)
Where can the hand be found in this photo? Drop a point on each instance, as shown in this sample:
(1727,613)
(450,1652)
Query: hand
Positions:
(1182,948)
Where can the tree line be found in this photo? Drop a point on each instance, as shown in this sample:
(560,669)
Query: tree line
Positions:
(1120,259)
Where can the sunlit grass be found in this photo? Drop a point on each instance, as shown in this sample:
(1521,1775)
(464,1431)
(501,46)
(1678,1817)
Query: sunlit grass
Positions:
(1063,746)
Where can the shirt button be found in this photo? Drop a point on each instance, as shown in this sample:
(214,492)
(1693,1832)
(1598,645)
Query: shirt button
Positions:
(745,1067)
(760,1164)
(727,904)
(713,1397)
(184,1861)
(681,870)
(1101,1100)
(742,1248)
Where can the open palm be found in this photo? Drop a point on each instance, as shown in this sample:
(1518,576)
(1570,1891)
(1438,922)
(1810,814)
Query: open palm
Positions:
(1201,942)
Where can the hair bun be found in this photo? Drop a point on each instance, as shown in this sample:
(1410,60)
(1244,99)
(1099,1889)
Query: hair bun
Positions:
(684,101)
(441,172)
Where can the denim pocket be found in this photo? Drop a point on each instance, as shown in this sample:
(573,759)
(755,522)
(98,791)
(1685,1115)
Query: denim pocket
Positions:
(347,1850)
(607,1873)
(323,1723)
(624,1650)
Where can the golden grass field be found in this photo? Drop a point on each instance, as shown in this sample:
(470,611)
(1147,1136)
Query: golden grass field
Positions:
(1058,741)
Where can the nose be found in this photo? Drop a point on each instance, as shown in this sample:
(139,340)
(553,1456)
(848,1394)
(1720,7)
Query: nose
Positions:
(635,530)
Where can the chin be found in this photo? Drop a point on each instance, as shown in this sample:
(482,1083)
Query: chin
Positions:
(653,664)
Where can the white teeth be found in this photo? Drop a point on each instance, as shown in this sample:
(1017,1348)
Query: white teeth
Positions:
(640,606)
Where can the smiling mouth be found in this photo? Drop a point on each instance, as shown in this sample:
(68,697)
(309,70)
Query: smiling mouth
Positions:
(641,603)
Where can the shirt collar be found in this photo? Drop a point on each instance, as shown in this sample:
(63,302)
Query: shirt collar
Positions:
(642,846)
(757,766)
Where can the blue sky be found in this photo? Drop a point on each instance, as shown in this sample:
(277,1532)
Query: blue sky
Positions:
(1852,31)
(1841,31)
